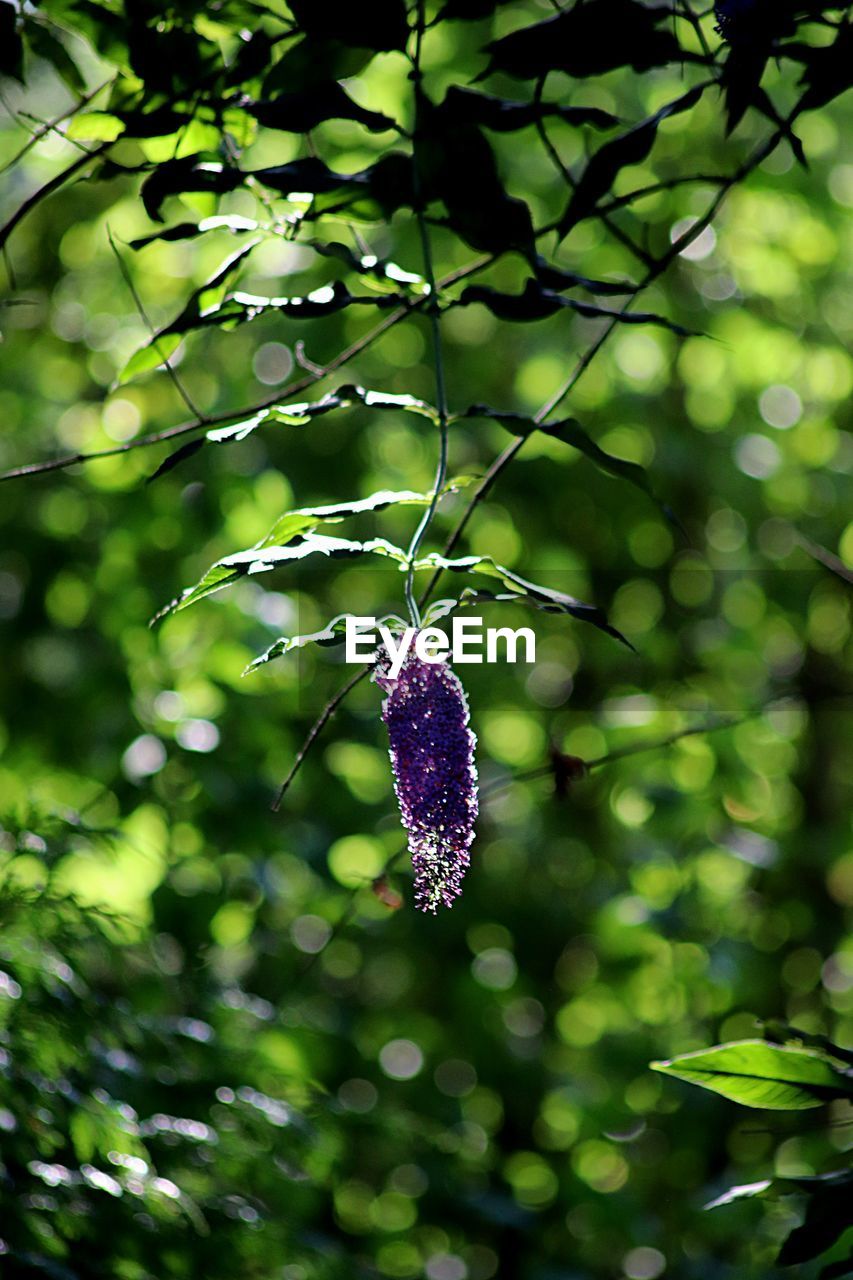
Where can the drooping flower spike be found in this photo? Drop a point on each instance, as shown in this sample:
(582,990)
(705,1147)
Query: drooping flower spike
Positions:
(435,777)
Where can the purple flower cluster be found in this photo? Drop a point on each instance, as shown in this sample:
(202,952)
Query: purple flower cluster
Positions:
(435,778)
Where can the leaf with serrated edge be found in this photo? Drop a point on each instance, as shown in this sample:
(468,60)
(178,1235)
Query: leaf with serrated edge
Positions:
(255,560)
(559,600)
(331,634)
(301,413)
(293,523)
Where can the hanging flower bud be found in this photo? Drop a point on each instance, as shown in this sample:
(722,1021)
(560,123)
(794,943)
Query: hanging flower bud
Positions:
(435,778)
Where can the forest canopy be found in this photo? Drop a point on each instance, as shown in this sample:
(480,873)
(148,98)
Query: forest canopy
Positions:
(523,309)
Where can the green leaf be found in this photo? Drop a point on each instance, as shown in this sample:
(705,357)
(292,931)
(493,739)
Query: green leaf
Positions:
(333,633)
(572,433)
(471,596)
(587,40)
(152,356)
(629,148)
(745,1192)
(536,303)
(505,115)
(204,301)
(756,1074)
(301,413)
(294,523)
(203,172)
(380,272)
(300,112)
(263,560)
(547,598)
(233,222)
(94,126)
(45,43)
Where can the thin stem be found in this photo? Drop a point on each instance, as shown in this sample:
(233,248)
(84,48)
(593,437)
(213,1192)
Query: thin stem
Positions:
(567,176)
(58,180)
(49,126)
(234,415)
(435,328)
(659,266)
(140,307)
(315,731)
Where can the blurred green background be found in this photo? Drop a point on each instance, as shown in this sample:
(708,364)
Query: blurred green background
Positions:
(312,1082)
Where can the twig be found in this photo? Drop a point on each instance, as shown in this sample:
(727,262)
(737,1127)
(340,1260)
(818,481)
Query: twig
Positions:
(234,415)
(827,558)
(58,180)
(48,126)
(435,328)
(657,744)
(134,293)
(660,265)
(315,731)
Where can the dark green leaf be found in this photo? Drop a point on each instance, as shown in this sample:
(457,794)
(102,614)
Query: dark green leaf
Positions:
(263,560)
(536,303)
(46,44)
(206,299)
(757,1074)
(370,194)
(301,112)
(175,459)
(196,173)
(829,71)
(587,40)
(333,633)
(572,433)
(468,106)
(828,1217)
(838,1270)
(556,278)
(381,25)
(11,46)
(458,167)
(629,148)
(313,62)
(189,230)
(383,273)
(546,597)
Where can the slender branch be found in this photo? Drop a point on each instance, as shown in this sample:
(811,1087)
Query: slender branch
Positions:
(48,126)
(58,180)
(435,327)
(568,177)
(620,202)
(140,307)
(659,267)
(641,748)
(315,731)
(234,415)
